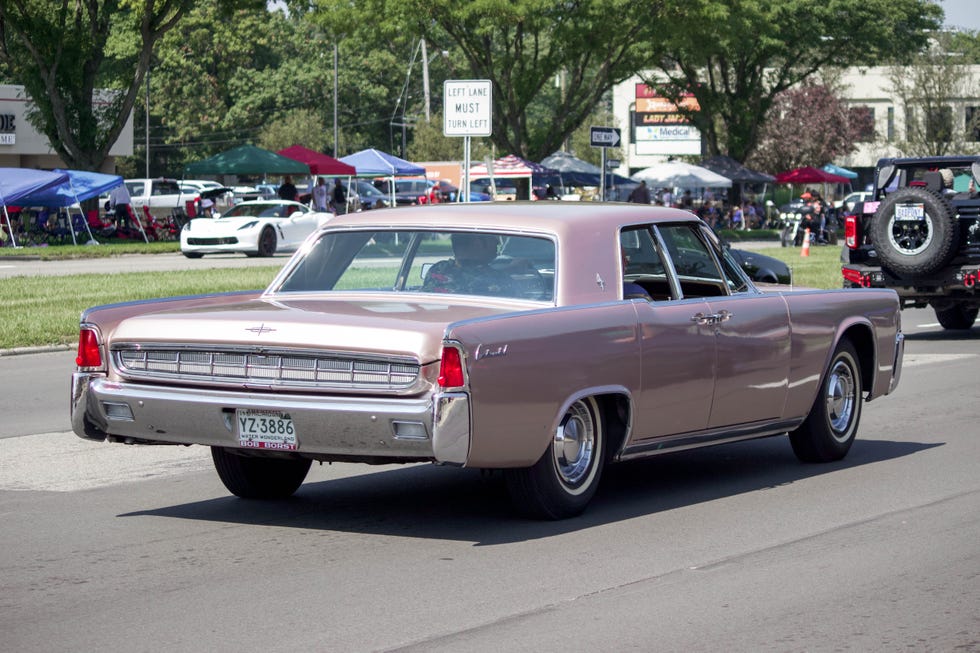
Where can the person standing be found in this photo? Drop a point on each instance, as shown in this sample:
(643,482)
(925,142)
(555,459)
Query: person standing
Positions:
(339,198)
(320,193)
(288,190)
(640,194)
(119,202)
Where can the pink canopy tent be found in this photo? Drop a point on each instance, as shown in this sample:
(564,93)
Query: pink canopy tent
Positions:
(809,175)
(320,164)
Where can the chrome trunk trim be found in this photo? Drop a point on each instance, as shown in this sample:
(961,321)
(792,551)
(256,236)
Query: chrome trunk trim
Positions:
(263,368)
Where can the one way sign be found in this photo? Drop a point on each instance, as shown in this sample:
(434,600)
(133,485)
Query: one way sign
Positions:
(604,136)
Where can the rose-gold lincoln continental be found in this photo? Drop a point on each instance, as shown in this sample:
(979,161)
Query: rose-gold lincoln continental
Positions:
(548,339)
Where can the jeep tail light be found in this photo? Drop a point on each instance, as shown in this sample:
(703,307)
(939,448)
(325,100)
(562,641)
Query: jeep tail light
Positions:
(451,368)
(89,352)
(851,231)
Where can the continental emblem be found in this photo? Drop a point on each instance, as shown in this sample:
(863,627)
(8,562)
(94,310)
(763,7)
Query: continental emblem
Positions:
(259,330)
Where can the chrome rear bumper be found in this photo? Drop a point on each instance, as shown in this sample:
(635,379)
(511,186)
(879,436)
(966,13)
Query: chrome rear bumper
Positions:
(328,427)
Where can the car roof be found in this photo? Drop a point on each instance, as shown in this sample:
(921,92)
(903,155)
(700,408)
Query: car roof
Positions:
(550,217)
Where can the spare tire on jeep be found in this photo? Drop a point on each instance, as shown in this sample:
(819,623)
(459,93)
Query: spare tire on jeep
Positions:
(915,231)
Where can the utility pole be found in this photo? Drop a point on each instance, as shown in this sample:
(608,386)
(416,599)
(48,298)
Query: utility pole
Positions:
(425,78)
(336,142)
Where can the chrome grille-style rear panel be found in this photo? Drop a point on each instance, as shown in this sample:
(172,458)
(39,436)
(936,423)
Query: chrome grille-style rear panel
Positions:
(282,369)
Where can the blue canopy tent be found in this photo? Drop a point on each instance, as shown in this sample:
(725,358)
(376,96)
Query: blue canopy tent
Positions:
(375,163)
(842,172)
(572,171)
(78,187)
(17,183)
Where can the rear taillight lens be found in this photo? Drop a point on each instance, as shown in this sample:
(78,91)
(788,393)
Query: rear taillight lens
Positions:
(89,352)
(851,231)
(451,368)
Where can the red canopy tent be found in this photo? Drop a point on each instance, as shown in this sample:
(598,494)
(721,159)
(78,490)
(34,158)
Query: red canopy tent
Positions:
(320,164)
(809,175)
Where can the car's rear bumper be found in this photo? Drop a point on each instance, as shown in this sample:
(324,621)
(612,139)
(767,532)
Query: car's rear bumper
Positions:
(370,429)
(958,282)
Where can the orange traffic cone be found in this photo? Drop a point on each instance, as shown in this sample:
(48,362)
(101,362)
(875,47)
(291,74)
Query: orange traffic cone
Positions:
(806,244)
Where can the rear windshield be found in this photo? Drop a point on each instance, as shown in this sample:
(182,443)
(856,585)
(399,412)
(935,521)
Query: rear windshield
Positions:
(432,262)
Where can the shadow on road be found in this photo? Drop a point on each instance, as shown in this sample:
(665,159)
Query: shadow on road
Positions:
(457,504)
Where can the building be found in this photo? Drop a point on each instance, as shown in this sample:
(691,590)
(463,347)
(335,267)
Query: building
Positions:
(21,146)
(652,130)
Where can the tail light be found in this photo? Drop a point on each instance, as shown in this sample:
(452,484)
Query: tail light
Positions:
(451,368)
(89,351)
(851,231)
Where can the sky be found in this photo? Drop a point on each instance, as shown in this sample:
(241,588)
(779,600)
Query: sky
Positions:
(964,14)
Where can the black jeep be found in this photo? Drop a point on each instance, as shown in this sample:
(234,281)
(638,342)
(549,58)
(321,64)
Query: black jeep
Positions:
(920,235)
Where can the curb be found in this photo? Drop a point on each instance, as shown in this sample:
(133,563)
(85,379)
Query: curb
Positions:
(16,351)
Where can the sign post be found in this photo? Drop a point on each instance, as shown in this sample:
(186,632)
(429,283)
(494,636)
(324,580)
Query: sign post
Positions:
(467,111)
(604,137)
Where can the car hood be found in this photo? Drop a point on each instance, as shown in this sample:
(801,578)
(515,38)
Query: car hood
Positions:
(360,324)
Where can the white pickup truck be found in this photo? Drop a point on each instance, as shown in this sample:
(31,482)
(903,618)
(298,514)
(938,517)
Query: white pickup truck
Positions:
(161,195)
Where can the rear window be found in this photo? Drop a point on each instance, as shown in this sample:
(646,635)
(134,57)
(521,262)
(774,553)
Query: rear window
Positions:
(487,264)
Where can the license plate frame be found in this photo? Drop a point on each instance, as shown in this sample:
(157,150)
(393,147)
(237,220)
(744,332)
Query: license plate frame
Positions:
(265,429)
(910,212)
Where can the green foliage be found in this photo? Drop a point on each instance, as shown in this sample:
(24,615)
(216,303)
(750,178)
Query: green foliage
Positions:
(521,46)
(735,56)
(297,127)
(81,78)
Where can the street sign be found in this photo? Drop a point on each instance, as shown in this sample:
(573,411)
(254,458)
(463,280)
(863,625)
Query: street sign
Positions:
(604,136)
(467,107)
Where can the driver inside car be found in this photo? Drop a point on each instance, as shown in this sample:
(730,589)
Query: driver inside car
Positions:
(469,271)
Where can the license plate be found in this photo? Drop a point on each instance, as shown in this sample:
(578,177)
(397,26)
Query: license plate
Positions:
(913,212)
(265,429)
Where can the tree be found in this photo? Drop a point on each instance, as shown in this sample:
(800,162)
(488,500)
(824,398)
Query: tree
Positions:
(82,65)
(827,131)
(736,56)
(523,47)
(928,91)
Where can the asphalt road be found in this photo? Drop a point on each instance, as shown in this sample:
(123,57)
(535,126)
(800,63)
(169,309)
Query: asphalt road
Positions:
(739,548)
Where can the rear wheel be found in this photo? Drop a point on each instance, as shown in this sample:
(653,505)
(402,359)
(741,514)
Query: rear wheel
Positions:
(254,477)
(958,316)
(828,431)
(565,478)
(267,242)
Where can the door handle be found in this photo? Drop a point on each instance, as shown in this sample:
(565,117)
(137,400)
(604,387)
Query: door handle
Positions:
(715,318)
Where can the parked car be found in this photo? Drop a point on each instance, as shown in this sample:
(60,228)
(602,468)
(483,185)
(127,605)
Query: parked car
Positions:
(255,228)
(847,204)
(404,337)
(367,196)
(161,195)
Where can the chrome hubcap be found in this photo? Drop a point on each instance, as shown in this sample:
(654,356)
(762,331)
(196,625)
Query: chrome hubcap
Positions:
(840,399)
(574,444)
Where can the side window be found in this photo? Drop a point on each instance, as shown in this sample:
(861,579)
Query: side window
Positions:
(644,274)
(697,273)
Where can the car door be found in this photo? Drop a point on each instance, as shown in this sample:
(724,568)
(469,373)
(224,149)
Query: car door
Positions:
(751,333)
(677,355)
(298,226)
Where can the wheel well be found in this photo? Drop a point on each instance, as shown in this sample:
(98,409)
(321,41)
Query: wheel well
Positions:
(616,419)
(860,336)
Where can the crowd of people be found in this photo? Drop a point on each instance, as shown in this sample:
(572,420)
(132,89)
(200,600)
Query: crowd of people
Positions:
(747,214)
